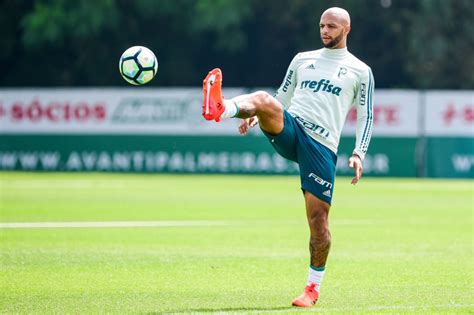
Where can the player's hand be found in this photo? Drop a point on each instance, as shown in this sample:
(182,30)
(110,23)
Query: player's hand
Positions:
(246,124)
(356,163)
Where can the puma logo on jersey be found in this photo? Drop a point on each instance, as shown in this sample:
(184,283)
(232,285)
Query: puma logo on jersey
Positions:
(321,85)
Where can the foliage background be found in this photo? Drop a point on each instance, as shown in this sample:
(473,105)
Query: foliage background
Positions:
(422,44)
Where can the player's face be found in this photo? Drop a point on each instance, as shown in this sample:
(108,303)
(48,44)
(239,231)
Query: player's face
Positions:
(332,41)
(333,33)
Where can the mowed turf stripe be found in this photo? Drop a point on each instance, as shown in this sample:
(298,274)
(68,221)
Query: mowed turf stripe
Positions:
(316,309)
(109,224)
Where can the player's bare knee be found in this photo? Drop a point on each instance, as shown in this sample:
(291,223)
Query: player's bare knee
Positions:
(318,219)
(265,102)
(260,98)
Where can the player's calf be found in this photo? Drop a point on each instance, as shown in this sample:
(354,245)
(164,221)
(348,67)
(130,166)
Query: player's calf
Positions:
(260,104)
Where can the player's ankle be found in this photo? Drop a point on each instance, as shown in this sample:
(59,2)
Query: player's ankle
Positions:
(231,109)
(315,276)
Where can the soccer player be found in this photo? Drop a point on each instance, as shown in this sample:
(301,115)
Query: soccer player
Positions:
(303,122)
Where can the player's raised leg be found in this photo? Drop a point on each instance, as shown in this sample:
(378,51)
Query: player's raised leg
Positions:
(317,212)
(260,104)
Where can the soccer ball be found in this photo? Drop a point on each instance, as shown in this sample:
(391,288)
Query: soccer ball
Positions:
(138,65)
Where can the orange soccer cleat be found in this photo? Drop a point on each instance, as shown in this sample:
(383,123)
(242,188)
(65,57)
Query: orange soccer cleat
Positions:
(213,104)
(308,298)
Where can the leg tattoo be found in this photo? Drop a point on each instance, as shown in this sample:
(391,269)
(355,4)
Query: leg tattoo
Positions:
(319,246)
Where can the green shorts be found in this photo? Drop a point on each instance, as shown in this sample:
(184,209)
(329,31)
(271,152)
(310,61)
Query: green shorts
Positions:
(317,162)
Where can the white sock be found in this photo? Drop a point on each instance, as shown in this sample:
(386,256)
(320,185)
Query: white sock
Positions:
(230,110)
(316,275)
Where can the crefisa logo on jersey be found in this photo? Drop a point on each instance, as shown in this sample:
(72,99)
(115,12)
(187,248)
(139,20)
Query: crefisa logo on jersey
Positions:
(321,85)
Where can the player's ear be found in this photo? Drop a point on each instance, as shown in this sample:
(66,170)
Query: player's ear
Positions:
(347,28)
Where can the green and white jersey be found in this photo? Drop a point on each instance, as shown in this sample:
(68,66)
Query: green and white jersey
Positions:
(319,89)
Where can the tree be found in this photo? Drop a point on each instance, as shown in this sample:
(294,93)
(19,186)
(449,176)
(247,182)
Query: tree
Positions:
(440,43)
(408,44)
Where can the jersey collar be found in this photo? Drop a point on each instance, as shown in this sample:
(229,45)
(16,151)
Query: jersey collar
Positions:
(334,53)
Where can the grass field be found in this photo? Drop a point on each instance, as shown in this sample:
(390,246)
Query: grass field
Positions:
(399,245)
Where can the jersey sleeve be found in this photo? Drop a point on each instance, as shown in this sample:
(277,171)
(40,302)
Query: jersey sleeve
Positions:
(287,88)
(364,104)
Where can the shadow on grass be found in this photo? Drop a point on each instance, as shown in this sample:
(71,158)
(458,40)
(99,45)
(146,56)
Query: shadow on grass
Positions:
(230,309)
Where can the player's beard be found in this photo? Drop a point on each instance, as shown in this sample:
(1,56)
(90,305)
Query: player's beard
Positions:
(334,41)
